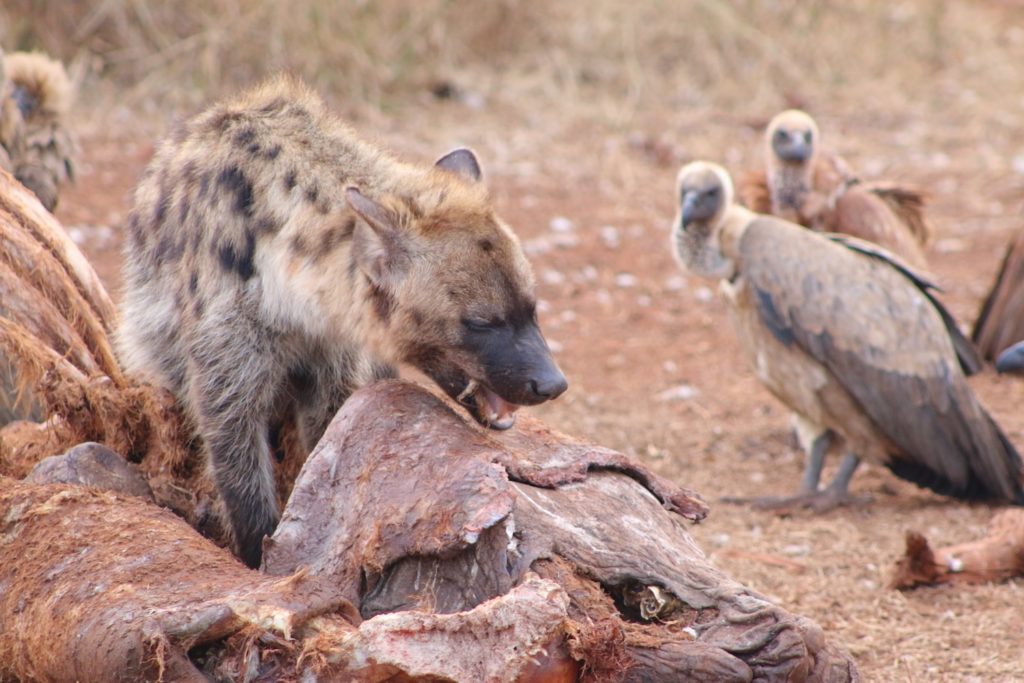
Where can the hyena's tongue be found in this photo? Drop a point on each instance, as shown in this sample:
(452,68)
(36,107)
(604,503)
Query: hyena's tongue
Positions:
(497,412)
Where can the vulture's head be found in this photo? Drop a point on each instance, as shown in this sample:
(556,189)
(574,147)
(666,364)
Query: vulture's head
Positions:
(705,193)
(792,138)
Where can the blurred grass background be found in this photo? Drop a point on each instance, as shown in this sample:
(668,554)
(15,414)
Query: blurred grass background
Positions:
(617,59)
(575,90)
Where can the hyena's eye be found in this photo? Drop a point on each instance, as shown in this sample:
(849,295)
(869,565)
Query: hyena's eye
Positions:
(481,325)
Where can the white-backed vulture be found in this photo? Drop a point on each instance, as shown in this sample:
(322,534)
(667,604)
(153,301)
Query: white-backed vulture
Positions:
(1000,322)
(817,189)
(37,146)
(851,340)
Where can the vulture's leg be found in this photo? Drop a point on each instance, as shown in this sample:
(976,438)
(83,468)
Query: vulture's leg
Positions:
(837,493)
(809,486)
(815,461)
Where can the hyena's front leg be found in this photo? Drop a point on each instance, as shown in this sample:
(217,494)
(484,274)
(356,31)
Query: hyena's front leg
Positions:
(233,389)
(330,387)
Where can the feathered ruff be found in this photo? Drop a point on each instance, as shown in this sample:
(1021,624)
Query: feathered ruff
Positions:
(753,192)
(830,180)
(908,205)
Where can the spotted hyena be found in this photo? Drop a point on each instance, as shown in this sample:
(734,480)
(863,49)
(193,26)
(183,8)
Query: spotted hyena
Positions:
(275,262)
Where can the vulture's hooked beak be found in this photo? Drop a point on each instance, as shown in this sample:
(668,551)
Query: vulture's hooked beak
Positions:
(797,148)
(689,203)
(1011,360)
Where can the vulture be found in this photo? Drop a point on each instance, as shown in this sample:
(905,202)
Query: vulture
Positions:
(852,340)
(817,189)
(1000,322)
(35,143)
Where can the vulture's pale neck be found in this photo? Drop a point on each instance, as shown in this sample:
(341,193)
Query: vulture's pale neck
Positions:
(789,185)
(731,226)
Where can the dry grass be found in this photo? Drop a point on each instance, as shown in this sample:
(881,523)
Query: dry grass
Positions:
(361,51)
(621,58)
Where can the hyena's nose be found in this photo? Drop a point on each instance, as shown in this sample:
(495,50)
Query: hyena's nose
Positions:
(549,385)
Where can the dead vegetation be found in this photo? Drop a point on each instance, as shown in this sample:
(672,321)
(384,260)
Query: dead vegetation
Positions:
(618,57)
(55,327)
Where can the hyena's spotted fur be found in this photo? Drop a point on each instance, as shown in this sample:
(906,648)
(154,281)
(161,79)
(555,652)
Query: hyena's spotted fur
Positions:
(275,262)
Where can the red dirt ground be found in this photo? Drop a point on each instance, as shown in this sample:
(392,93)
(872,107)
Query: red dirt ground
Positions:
(655,369)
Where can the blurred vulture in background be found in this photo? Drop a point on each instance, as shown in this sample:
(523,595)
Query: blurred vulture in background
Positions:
(37,148)
(1000,323)
(810,186)
(850,339)
(35,144)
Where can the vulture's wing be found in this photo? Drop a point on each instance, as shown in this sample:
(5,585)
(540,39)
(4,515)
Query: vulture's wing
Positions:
(908,205)
(1001,320)
(753,192)
(862,213)
(966,352)
(877,331)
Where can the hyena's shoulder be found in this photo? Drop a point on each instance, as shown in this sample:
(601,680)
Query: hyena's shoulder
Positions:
(236,173)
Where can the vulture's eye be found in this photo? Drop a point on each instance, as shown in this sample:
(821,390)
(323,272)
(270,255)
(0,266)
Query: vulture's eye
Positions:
(780,136)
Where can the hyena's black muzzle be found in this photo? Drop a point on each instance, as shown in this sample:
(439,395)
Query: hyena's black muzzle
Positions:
(516,370)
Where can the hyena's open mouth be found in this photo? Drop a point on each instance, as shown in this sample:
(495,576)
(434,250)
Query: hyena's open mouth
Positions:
(489,408)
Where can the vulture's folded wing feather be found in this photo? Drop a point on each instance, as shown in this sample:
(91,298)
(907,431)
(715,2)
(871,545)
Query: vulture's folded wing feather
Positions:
(966,351)
(874,326)
(908,205)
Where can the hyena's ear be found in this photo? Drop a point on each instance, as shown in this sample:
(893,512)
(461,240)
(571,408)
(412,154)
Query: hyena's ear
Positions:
(379,249)
(463,163)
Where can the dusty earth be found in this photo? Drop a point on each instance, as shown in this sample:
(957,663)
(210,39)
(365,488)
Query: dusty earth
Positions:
(654,366)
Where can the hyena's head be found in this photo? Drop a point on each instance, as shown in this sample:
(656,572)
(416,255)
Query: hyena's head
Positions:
(452,293)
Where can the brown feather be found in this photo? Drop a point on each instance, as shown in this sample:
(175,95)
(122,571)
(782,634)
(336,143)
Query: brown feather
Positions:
(908,205)
(752,191)
(862,213)
(877,334)
(1000,322)
(967,353)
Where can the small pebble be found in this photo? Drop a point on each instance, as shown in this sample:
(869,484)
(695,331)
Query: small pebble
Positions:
(625,280)
(683,392)
(610,236)
(561,224)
